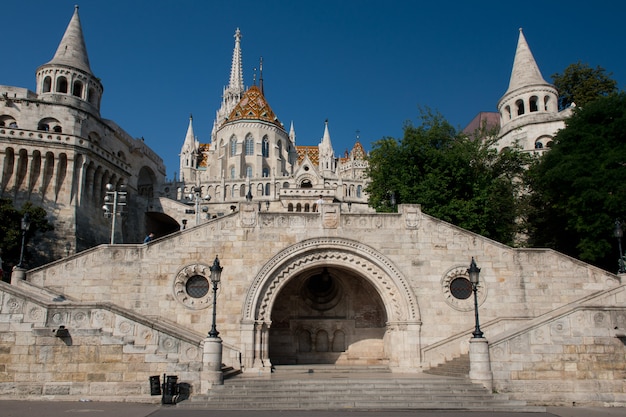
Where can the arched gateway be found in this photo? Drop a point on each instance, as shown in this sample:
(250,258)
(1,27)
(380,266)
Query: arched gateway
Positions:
(330,300)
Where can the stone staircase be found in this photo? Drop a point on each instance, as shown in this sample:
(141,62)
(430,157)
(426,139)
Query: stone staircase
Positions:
(457,367)
(333,388)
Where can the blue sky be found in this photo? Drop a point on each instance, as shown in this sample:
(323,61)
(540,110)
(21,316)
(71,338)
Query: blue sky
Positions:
(364,65)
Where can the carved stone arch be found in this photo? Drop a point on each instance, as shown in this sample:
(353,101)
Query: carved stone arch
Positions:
(397,296)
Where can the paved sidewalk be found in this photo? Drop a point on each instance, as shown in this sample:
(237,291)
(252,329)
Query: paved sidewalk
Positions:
(29,408)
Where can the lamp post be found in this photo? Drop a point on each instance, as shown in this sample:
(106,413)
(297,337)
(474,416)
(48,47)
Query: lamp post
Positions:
(216,273)
(267,205)
(197,198)
(24,226)
(113,202)
(474,275)
(618,233)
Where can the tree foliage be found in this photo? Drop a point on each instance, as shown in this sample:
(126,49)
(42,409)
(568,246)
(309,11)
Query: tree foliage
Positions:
(582,84)
(578,189)
(10,228)
(454,177)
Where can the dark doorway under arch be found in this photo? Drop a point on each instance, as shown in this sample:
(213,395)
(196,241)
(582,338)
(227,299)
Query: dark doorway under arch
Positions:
(328,315)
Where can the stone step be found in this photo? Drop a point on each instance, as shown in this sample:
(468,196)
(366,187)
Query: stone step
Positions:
(457,367)
(323,389)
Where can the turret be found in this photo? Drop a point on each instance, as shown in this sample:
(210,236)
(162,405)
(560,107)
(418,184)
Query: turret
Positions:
(529,98)
(189,153)
(327,160)
(67,78)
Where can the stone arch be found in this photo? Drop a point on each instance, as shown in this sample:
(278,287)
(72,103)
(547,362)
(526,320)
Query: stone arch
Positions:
(399,302)
(394,289)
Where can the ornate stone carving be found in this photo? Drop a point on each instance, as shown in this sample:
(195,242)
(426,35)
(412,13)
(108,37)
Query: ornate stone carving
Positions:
(180,286)
(361,259)
(457,303)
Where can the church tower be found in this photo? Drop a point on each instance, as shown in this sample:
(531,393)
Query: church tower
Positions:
(67,78)
(529,113)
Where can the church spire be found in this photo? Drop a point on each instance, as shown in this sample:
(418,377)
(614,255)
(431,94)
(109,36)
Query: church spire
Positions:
(72,51)
(525,70)
(189,153)
(235,89)
(326,154)
(236,68)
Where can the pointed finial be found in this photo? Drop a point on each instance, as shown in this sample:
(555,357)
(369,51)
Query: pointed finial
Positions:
(190,116)
(261,75)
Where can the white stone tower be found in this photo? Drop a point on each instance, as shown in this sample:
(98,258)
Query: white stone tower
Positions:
(67,78)
(529,113)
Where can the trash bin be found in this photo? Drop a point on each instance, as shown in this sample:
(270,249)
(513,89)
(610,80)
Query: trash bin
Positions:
(170,390)
(155,385)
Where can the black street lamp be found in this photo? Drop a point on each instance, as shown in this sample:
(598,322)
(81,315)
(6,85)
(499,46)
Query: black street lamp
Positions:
(618,233)
(474,275)
(114,202)
(216,273)
(24,226)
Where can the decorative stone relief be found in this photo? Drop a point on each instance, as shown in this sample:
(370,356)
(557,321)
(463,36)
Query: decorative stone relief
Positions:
(412,216)
(363,260)
(460,304)
(330,216)
(181,291)
(248,215)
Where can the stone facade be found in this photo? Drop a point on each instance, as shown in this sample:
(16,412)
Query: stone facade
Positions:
(329,287)
(310,274)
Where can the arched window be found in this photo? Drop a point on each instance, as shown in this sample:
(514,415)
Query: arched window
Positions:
(232,172)
(546,103)
(507,112)
(248,171)
(265,147)
(249,145)
(91,96)
(57,129)
(78,89)
(290,207)
(267,189)
(266,172)
(520,107)
(358,191)
(298,207)
(61,85)
(533,104)
(233,146)
(47,84)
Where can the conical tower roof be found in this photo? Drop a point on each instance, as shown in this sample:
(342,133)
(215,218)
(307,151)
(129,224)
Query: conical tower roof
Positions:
(72,51)
(525,70)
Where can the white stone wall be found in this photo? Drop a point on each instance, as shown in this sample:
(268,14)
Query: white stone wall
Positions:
(408,258)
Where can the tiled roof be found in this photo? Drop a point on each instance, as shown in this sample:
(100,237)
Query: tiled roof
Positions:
(253,106)
(312,151)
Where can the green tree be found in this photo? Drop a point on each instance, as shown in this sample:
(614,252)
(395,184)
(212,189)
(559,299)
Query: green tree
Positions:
(454,177)
(582,84)
(10,229)
(578,188)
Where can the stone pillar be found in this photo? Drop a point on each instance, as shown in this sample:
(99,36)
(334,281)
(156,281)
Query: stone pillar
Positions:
(258,360)
(480,365)
(211,364)
(18,274)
